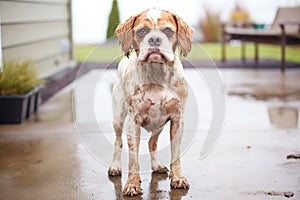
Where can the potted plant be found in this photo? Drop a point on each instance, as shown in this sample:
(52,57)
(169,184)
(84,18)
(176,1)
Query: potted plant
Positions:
(19,91)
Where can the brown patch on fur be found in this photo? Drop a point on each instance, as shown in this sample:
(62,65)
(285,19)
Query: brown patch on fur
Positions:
(166,18)
(142,118)
(181,88)
(172,106)
(117,129)
(141,18)
(142,106)
(152,145)
(142,21)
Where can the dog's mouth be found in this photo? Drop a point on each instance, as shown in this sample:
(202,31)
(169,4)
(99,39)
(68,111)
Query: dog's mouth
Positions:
(155,56)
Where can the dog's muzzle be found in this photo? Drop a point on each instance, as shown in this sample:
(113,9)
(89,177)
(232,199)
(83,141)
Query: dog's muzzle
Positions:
(155,56)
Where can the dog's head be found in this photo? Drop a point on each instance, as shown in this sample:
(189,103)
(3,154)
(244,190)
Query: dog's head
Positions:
(155,35)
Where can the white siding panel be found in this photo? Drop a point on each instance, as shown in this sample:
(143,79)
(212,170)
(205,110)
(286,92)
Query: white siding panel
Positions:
(39,30)
(51,66)
(47,1)
(25,33)
(36,51)
(17,12)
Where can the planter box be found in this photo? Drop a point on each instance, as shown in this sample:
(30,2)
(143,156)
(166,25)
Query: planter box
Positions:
(14,109)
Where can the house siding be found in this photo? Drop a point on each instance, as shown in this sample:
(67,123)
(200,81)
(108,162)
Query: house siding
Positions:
(38,30)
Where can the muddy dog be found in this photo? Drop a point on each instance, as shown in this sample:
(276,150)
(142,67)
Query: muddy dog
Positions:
(150,89)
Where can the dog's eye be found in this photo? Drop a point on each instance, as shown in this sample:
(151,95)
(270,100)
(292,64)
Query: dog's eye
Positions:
(169,32)
(142,32)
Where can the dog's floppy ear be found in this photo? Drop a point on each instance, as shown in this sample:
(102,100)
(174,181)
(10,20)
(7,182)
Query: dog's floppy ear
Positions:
(124,32)
(184,36)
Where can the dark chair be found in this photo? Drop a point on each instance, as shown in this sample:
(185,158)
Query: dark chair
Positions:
(285,30)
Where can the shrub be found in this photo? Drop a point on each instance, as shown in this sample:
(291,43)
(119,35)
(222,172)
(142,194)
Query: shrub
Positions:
(18,78)
(239,14)
(210,26)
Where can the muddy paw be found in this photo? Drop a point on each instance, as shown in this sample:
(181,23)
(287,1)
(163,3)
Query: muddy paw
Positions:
(160,170)
(179,183)
(114,171)
(132,189)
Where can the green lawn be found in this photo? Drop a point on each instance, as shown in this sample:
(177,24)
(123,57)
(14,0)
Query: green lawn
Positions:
(200,51)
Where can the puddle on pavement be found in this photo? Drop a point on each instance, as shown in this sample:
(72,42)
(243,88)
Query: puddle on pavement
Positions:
(282,114)
(265,92)
(57,167)
(263,84)
(39,166)
(284,117)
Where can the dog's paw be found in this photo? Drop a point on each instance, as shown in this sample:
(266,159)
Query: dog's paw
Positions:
(132,188)
(160,169)
(114,171)
(180,183)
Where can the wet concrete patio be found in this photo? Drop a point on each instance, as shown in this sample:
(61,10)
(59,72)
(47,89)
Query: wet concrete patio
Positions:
(64,151)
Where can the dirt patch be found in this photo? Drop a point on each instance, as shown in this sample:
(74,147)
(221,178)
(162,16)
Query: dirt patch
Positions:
(293,156)
(286,194)
(265,91)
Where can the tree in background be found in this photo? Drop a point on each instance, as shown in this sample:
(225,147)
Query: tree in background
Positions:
(113,20)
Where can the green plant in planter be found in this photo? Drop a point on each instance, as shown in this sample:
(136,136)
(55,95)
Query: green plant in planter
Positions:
(18,78)
(19,91)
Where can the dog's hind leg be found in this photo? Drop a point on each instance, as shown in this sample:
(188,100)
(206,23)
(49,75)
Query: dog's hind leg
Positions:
(119,114)
(157,167)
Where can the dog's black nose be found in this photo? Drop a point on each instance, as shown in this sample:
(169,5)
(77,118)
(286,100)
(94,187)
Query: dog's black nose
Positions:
(155,41)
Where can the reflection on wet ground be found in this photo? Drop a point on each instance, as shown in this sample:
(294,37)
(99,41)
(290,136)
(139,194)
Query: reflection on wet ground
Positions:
(263,84)
(56,167)
(284,117)
(31,164)
(44,158)
(153,190)
(280,92)
(266,91)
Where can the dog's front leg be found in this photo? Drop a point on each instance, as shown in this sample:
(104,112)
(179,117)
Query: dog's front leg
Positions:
(157,167)
(133,185)
(176,132)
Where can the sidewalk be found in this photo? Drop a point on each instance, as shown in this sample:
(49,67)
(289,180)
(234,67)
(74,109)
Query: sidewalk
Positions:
(64,151)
